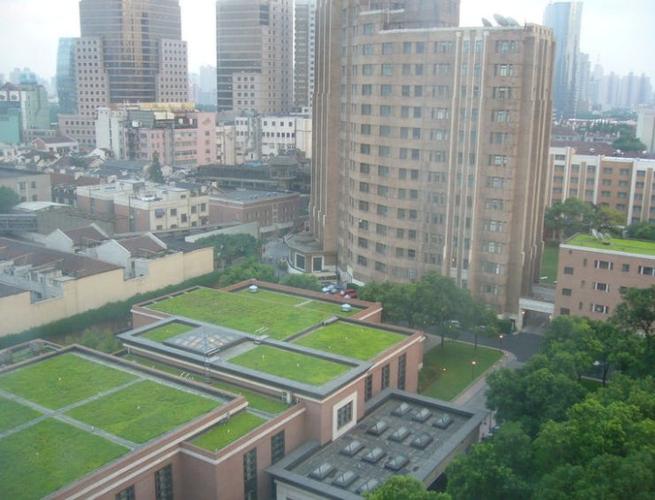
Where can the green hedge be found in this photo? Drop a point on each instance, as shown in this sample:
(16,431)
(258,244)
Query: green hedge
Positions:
(109,313)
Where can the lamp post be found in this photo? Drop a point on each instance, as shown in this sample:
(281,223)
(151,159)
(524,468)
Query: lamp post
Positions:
(500,337)
(473,363)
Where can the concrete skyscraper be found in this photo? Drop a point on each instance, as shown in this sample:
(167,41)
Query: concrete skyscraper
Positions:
(305,53)
(66,81)
(565,19)
(430,148)
(130,51)
(254,47)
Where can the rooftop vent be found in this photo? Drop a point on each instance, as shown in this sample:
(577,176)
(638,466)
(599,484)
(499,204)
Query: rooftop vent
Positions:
(352,449)
(374,456)
(443,422)
(422,416)
(422,441)
(368,486)
(378,429)
(402,410)
(346,308)
(322,471)
(399,435)
(345,479)
(397,463)
(253,288)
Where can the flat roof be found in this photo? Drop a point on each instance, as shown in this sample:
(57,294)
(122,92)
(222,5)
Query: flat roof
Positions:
(8,290)
(90,408)
(613,244)
(9,173)
(401,433)
(252,196)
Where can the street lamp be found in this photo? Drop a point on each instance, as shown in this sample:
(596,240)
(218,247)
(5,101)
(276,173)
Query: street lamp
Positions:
(500,337)
(473,363)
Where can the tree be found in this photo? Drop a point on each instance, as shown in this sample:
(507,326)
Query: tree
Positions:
(484,322)
(251,269)
(8,199)
(637,312)
(607,220)
(305,281)
(629,144)
(154,172)
(230,247)
(564,219)
(404,488)
(641,231)
(397,299)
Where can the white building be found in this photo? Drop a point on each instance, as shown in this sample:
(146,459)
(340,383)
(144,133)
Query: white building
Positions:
(646,128)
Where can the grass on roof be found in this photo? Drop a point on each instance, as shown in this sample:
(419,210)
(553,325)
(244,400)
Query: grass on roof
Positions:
(163,333)
(346,339)
(290,365)
(13,414)
(448,371)
(62,380)
(247,312)
(332,309)
(256,400)
(143,411)
(48,456)
(614,244)
(221,435)
(549,263)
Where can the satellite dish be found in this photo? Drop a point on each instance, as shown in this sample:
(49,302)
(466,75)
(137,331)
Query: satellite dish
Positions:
(595,234)
(501,20)
(512,21)
(486,23)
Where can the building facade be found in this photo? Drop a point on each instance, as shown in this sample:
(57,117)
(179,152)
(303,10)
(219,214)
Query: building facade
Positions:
(254,45)
(66,76)
(30,186)
(646,127)
(32,100)
(430,151)
(304,53)
(565,19)
(621,183)
(592,273)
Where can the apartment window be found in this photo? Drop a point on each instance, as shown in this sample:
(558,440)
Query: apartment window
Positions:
(507,46)
(164,483)
(367,49)
(568,270)
(500,116)
(383,171)
(385,375)
(498,160)
(647,271)
(250,474)
(504,70)
(344,415)
(365,129)
(387,48)
(407,47)
(366,109)
(367,69)
(367,89)
(567,292)
(385,131)
(601,287)
(126,494)
(362,261)
(603,264)
(385,110)
(599,308)
(625,268)
(387,70)
(402,369)
(277,447)
(368,387)
(364,168)
(173,212)
(564,311)
(380,267)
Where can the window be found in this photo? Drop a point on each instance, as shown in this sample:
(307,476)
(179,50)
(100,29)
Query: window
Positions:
(173,212)
(504,70)
(277,447)
(126,494)
(368,387)
(625,268)
(402,369)
(250,474)
(387,48)
(344,415)
(598,308)
(387,69)
(502,92)
(601,287)
(564,311)
(567,292)
(164,483)
(300,261)
(385,110)
(568,270)
(385,375)
(647,271)
(603,264)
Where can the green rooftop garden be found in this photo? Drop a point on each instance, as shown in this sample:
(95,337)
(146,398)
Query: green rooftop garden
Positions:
(163,333)
(13,414)
(62,380)
(221,435)
(350,340)
(449,370)
(263,313)
(49,455)
(549,261)
(614,244)
(143,411)
(290,365)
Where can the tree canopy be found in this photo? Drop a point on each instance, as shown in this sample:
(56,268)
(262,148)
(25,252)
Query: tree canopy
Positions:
(154,172)
(404,488)
(247,270)
(8,199)
(230,247)
(305,281)
(641,231)
(564,219)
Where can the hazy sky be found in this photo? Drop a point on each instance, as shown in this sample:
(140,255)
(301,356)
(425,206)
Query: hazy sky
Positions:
(618,33)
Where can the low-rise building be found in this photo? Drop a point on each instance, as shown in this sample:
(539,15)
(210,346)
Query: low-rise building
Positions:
(59,145)
(593,272)
(29,185)
(138,206)
(273,211)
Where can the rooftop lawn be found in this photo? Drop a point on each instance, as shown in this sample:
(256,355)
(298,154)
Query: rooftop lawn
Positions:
(346,339)
(13,414)
(219,436)
(549,262)
(62,380)
(449,370)
(263,313)
(163,333)
(287,299)
(290,365)
(256,400)
(143,411)
(48,456)
(615,244)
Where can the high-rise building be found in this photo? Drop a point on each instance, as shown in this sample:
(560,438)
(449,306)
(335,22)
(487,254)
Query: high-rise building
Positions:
(32,101)
(305,36)
(66,79)
(646,128)
(583,87)
(129,52)
(430,150)
(565,19)
(254,46)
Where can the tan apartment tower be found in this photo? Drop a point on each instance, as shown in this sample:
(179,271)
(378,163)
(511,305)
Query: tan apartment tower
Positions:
(431,147)
(254,48)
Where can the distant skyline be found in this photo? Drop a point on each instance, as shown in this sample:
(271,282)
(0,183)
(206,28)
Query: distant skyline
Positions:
(31,28)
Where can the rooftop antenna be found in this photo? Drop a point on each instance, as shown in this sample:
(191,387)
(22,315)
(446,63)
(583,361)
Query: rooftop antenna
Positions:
(502,21)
